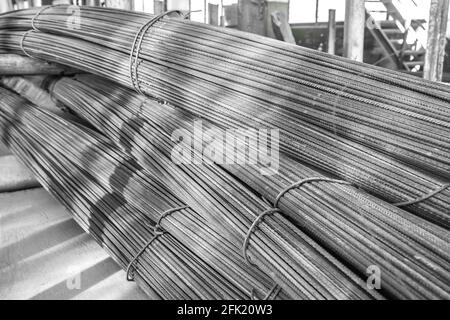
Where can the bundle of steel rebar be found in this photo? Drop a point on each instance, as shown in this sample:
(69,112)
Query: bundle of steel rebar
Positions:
(240,80)
(300,267)
(376,128)
(84,170)
(360,230)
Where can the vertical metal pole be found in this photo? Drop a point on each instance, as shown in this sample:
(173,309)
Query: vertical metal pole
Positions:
(437,28)
(205,12)
(317,11)
(20,4)
(6,5)
(332,31)
(355,20)
(251,16)
(213,14)
(222,14)
(35,3)
(158,6)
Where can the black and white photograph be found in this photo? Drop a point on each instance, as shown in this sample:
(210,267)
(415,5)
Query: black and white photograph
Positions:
(234,158)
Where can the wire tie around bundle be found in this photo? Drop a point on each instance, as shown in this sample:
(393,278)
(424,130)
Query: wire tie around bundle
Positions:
(131,266)
(253,228)
(271,295)
(258,220)
(305,181)
(158,232)
(33,20)
(158,229)
(141,107)
(137,44)
(423,198)
(21,43)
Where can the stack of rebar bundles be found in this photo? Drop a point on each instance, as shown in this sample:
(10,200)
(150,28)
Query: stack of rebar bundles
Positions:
(216,164)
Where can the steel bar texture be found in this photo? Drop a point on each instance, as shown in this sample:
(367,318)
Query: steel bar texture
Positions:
(224,202)
(301,267)
(361,229)
(384,131)
(387,132)
(84,170)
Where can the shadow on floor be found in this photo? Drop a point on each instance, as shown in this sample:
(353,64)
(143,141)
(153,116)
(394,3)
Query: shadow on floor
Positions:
(69,288)
(40,241)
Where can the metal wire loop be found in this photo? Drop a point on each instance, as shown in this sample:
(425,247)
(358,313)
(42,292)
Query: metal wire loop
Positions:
(131,268)
(33,20)
(305,181)
(136,47)
(423,198)
(158,229)
(21,43)
(253,229)
(271,295)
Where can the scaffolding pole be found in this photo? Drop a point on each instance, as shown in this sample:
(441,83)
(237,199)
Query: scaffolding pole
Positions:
(332,31)
(355,20)
(434,58)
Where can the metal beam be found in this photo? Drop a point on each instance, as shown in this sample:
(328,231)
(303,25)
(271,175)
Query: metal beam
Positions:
(332,31)
(158,7)
(251,16)
(20,4)
(35,3)
(6,5)
(317,11)
(437,28)
(281,27)
(213,14)
(355,19)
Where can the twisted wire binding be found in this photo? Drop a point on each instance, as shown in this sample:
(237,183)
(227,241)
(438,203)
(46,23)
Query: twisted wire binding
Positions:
(252,229)
(274,210)
(136,47)
(276,289)
(423,198)
(22,40)
(158,232)
(131,268)
(271,295)
(40,12)
(158,229)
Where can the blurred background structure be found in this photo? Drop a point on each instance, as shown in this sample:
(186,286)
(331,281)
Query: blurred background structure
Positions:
(389,33)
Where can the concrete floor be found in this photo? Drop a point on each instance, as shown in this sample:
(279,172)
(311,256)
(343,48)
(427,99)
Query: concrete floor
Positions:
(3,150)
(44,254)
